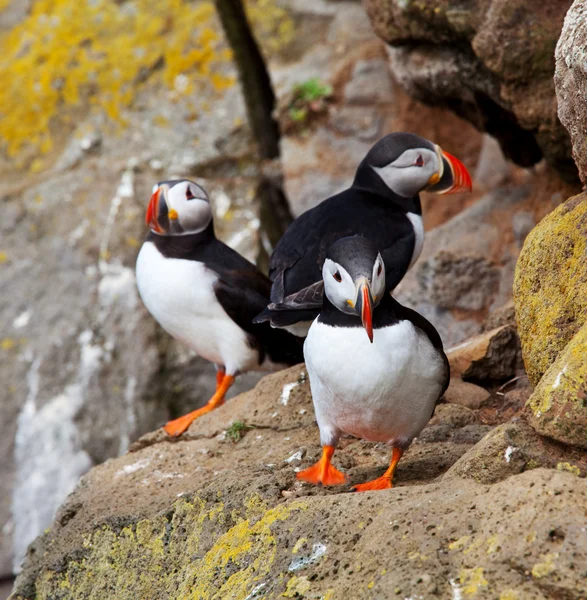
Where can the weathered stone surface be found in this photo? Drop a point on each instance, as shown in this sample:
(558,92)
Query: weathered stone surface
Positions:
(466,394)
(491,61)
(550,288)
(84,368)
(320,158)
(512,448)
(466,269)
(558,406)
(570,81)
(205,517)
(493,355)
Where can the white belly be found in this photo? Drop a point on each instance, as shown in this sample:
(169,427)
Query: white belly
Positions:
(385,391)
(418,225)
(180,296)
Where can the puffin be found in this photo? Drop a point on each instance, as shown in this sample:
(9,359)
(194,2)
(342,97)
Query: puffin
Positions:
(205,294)
(382,203)
(377,369)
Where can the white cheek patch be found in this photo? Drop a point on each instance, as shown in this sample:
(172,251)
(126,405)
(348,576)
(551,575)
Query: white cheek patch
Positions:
(338,292)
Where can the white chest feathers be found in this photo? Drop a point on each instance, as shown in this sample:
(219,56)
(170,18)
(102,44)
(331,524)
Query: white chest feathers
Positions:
(180,296)
(418,225)
(385,391)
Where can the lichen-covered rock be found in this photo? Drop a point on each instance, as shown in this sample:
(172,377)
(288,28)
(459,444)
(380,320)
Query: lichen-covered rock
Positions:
(550,286)
(512,448)
(570,80)
(220,515)
(491,61)
(558,405)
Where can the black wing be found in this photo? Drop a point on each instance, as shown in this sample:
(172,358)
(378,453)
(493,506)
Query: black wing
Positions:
(296,263)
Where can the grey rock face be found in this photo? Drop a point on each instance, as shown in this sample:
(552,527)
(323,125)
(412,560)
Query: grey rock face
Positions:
(491,61)
(570,80)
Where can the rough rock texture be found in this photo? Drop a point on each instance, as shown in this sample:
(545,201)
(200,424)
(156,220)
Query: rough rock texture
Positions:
(466,269)
(84,369)
(466,394)
(570,81)
(491,61)
(340,49)
(513,448)
(209,518)
(550,287)
(558,406)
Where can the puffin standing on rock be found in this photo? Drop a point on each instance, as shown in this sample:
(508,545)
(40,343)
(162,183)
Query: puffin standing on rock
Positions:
(381,204)
(377,369)
(205,294)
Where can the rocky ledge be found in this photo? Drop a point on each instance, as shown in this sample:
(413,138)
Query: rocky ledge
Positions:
(480,510)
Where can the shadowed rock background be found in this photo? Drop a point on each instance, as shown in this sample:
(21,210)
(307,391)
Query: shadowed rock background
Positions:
(489,502)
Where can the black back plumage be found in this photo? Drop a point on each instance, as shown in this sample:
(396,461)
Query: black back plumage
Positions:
(242,290)
(365,209)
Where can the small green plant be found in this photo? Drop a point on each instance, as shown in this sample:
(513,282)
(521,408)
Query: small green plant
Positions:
(237,430)
(307,99)
(311,90)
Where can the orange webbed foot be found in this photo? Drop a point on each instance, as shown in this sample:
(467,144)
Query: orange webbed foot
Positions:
(323,472)
(318,474)
(178,426)
(381,483)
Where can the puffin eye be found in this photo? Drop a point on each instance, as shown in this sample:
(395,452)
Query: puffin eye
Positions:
(379,269)
(337,277)
(419,161)
(188,193)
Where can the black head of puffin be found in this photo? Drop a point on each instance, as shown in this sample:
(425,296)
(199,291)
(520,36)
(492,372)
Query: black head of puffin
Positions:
(408,164)
(354,278)
(178,207)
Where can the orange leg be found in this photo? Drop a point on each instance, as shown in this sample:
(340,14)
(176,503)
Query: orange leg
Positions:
(178,426)
(386,480)
(323,472)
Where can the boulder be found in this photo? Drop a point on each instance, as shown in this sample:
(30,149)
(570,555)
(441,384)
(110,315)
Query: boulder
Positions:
(465,394)
(550,287)
(513,448)
(491,61)
(558,405)
(336,48)
(570,81)
(490,356)
(219,514)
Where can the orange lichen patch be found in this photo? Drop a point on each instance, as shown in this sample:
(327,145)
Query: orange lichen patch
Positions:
(69,52)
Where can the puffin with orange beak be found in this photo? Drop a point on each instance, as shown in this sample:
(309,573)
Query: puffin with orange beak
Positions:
(377,369)
(205,294)
(382,204)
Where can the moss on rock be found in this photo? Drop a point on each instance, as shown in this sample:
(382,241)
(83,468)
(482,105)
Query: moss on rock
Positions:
(550,286)
(558,406)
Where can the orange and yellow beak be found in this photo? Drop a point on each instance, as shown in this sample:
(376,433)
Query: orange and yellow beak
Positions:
(366,309)
(151,217)
(159,215)
(453,177)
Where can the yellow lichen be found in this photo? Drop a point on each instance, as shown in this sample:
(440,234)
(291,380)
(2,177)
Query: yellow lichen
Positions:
(565,466)
(471,580)
(460,543)
(550,289)
(493,544)
(213,558)
(7,344)
(509,595)
(298,545)
(558,404)
(296,586)
(73,52)
(3,257)
(545,567)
